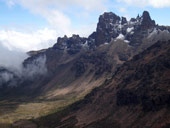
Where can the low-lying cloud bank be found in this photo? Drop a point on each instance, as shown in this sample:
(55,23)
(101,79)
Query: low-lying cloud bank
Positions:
(11,58)
(25,41)
(13,51)
(12,76)
(35,67)
(12,70)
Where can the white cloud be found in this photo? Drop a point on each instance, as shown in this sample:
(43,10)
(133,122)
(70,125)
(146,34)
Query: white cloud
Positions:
(14,43)
(54,11)
(62,4)
(10,3)
(11,59)
(160,3)
(19,41)
(143,3)
(36,67)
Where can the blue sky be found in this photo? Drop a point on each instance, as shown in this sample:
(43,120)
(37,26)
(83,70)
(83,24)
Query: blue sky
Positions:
(36,24)
(18,15)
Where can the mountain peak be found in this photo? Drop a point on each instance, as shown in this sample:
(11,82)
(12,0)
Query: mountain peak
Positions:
(109,17)
(105,26)
(109,27)
(146,14)
(147,22)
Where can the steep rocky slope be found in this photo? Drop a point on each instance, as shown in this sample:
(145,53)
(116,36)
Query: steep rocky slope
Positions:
(137,95)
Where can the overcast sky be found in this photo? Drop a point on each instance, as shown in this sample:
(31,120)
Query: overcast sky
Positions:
(35,24)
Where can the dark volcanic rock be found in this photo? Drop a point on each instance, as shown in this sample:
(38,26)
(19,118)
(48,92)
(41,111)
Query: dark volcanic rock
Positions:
(107,18)
(80,68)
(61,43)
(124,20)
(105,28)
(127,97)
(147,22)
(73,44)
(99,63)
(141,29)
(109,27)
(157,102)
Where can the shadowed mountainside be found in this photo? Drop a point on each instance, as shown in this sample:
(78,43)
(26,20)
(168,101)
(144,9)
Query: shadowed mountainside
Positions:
(137,95)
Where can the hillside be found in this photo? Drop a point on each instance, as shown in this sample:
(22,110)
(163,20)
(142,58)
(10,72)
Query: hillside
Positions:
(137,95)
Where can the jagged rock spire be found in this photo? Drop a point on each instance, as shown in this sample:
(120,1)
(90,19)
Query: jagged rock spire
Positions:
(147,22)
(105,31)
(109,27)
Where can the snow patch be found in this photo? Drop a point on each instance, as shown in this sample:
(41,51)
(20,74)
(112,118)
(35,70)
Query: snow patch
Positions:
(111,24)
(126,41)
(106,43)
(130,29)
(132,23)
(120,37)
(85,44)
(120,26)
(158,32)
(132,32)
(165,31)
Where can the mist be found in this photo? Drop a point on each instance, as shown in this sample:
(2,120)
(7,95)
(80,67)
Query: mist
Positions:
(12,70)
(11,58)
(36,67)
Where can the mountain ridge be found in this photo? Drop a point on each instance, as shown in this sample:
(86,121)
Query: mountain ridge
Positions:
(75,65)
